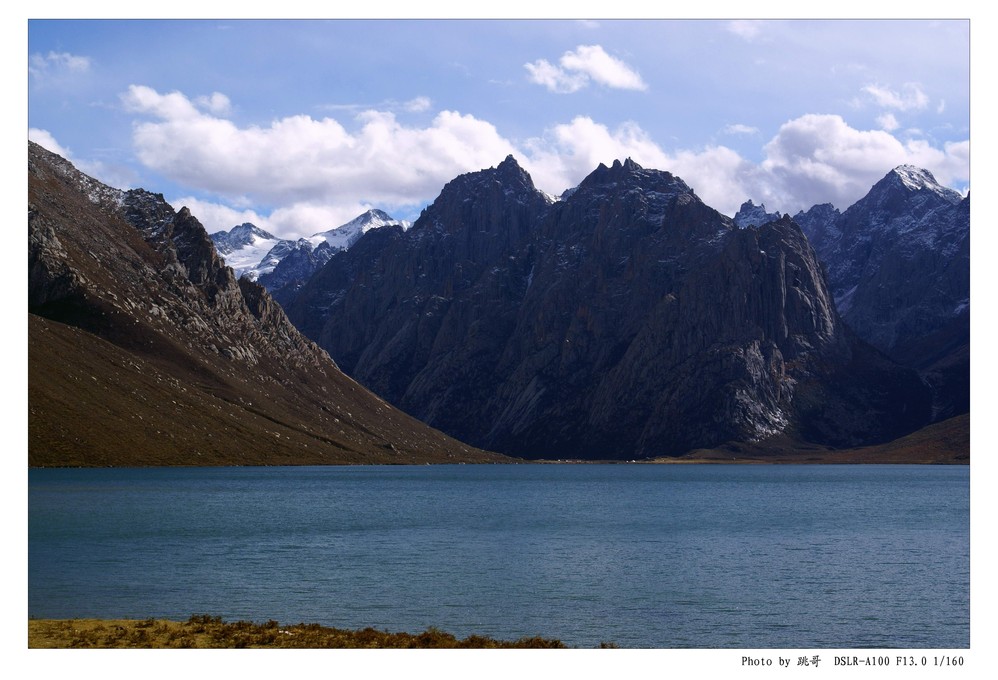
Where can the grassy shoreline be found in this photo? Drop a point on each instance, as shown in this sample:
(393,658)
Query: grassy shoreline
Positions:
(211,632)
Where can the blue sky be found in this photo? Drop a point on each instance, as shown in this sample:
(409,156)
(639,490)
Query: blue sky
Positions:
(298,126)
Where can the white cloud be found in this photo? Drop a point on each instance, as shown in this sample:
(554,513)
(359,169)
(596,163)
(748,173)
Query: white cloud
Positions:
(57,64)
(888,122)
(812,159)
(909,97)
(418,105)
(311,218)
(555,79)
(301,160)
(570,151)
(587,63)
(819,158)
(217,104)
(740,129)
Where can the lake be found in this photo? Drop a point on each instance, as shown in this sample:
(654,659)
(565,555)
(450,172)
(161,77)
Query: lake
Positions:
(661,556)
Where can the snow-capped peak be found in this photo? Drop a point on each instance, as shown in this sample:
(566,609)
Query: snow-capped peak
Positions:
(915,178)
(244,247)
(344,236)
(910,181)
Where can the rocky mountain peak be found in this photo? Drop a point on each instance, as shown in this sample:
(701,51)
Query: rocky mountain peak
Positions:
(345,235)
(491,202)
(907,182)
(247,229)
(913,177)
(752,215)
(631,174)
(240,236)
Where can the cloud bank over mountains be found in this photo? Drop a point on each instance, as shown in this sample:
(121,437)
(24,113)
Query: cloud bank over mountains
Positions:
(316,173)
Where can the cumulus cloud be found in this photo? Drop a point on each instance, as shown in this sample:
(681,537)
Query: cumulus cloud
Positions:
(570,151)
(812,159)
(302,161)
(910,96)
(318,174)
(576,69)
(817,158)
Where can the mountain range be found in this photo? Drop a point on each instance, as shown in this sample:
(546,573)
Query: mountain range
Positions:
(144,348)
(626,320)
(257,254)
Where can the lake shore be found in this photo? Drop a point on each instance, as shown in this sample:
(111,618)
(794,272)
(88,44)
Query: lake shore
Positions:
(942,443)
(211,632)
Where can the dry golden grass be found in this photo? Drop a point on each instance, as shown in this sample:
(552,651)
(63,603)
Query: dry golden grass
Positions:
(204,632)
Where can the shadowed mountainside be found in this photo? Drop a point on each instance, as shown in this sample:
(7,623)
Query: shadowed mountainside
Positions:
(627,320)
(145,350)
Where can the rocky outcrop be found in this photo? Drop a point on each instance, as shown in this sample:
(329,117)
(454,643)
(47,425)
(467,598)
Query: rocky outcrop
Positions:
(752,215)
(145,349)
(627,320)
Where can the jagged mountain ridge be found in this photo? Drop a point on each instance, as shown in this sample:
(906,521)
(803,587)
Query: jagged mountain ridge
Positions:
(626,320)
(145,349)
(898,263)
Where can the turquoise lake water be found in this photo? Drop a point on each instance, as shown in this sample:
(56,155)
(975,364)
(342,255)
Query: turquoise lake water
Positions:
(659,556)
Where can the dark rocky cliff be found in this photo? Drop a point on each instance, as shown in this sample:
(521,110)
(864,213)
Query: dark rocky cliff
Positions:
(627,320)
(144,349)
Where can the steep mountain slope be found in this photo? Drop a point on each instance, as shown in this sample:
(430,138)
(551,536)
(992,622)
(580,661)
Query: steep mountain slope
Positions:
(145,349)
(898,264)
(627,320)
